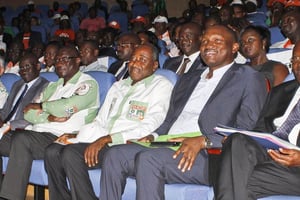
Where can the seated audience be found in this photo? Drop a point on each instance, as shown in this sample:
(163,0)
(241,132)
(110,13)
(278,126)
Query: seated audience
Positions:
(199,101)
(63,107)
(255,43)
(249,171)
(133,108)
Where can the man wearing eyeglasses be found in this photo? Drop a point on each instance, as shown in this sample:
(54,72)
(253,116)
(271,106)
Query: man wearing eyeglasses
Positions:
(125,45)
(63,107)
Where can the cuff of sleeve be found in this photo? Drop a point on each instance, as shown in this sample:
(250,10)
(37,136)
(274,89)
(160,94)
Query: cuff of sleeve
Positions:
(155,135)
(117,138)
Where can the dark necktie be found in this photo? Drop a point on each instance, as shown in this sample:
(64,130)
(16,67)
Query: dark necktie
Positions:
(122,72)
(183,66)
(293,119)
(298,139)
(15,107)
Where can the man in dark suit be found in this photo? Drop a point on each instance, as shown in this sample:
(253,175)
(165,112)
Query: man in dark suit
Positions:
(280,101)
(29,72)
(126,44)
(259,172)
(189,43)
(11,115)
(200,100)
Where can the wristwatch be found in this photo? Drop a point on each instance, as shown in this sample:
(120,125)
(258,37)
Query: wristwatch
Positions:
(207,143)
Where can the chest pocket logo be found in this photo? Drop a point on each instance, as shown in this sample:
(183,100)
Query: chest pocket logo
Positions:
(137,110)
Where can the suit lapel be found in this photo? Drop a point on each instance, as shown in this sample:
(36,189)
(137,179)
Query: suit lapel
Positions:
(197,64)
(224,80)
(185,87)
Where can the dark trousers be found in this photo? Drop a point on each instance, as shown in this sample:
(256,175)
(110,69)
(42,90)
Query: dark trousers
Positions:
(63,162)
(22,147)
(247,172)
(152,168)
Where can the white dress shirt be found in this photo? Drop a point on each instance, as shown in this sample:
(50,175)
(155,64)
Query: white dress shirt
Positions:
(187,121)
(279,121)
(192,58)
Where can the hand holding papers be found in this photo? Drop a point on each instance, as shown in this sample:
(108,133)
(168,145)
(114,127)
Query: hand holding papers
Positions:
(267,140)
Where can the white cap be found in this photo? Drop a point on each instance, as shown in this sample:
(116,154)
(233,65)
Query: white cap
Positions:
(64,17)
(236,2)
(56,16)
(252,1)
(160,19)
(30,2)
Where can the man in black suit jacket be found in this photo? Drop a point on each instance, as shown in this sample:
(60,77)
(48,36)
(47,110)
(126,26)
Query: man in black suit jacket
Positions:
(189,43)
(276,104)
(226,102)
(29,72)
(126,44)
(249,171)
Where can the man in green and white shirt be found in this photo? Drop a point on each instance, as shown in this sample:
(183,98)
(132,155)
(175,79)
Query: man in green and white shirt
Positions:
(133,108)
(64,106)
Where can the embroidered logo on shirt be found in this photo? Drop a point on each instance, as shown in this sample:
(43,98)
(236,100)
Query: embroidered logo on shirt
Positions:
(83,89)
(137,110)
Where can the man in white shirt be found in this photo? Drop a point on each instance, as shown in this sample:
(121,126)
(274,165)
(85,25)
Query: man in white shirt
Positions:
(133,108)
(89,52)
(189,44)
(235,96)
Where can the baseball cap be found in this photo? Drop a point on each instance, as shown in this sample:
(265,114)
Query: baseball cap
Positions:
(64,17)
(160,19)
(56,16)
(252,1)
(30,2)
(139,19)
(114,24)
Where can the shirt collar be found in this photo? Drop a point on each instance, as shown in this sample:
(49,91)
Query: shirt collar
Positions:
(217,72)
(73,80)
(192,57)
(146,81)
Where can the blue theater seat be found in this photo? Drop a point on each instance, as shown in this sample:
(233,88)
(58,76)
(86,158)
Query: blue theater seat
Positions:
(8,79)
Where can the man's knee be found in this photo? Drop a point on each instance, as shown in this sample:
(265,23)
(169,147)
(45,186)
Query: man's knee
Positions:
(52,151)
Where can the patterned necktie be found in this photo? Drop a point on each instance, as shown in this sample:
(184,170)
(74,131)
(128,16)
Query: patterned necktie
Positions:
(15,107)
(183,66)
(122,72)
(293,119)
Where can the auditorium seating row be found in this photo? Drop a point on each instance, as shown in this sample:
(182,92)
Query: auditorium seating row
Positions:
(39,179)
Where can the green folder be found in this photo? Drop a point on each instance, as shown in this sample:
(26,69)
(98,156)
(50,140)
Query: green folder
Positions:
(164,138)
